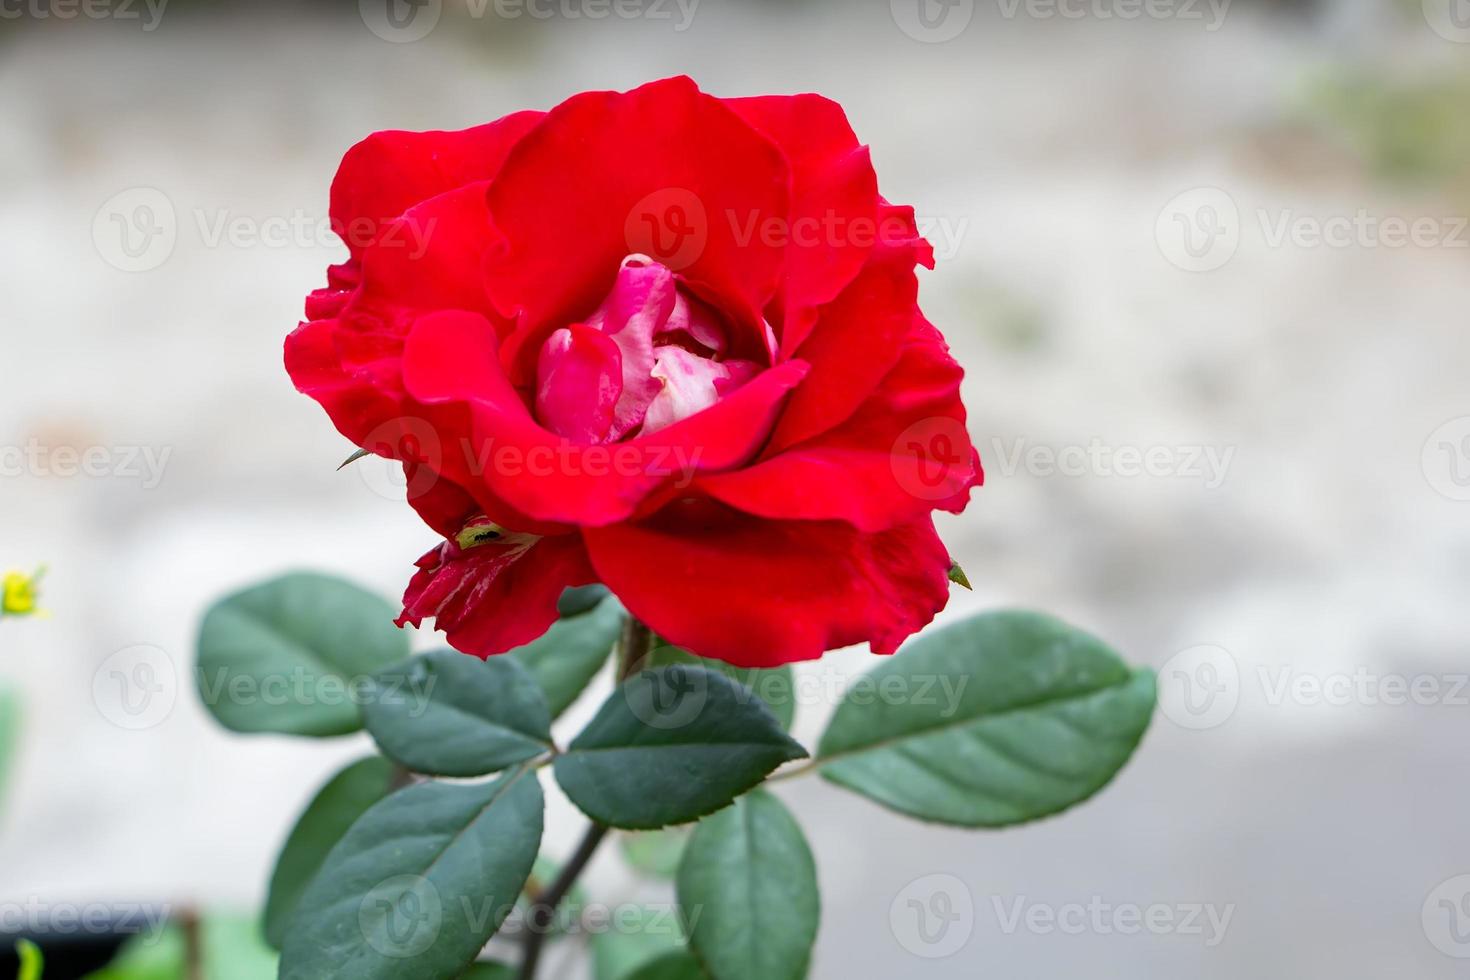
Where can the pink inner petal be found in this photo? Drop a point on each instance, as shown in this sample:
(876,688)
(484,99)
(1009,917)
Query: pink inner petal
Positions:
(691,384)
(643,297)
(649,356)
(578,381)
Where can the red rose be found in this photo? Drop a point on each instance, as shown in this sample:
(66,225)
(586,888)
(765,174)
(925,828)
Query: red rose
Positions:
(655,339)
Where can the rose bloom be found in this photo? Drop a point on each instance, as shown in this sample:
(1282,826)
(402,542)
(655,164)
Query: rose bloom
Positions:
(658,340)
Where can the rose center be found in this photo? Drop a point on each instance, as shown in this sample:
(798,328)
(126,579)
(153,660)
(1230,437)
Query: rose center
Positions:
(652,354)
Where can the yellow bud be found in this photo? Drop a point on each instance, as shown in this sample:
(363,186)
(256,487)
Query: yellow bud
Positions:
(18,593)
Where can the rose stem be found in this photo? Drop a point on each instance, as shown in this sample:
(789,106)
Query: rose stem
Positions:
(633,649)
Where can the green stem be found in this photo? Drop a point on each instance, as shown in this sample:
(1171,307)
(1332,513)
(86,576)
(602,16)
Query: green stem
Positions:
(633,650)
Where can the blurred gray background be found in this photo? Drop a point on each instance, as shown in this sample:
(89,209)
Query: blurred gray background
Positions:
(1207,268)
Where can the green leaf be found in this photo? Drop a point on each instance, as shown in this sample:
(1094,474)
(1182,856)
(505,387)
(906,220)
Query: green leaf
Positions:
(580,599)
(748,892)
(566,658)
(996,720)
(10,716)
(677,965)
(619,954)
(292,655)
(150,956)
(656,853)
(488,970)
(419,884)
(669,746)
(449,714)
(31,961)
(234,949)
(335,808)
(775,686)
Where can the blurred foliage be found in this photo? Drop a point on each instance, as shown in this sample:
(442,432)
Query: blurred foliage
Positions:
(9,734)
(31,962)
(1411,130)
(230,948)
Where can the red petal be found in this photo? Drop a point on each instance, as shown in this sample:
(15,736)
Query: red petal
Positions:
(902,454)
(857,341)
(430,257)
(759,593)
(493,597)
(834,202)
(391,171)
(659,170)
(451,369)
